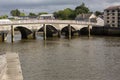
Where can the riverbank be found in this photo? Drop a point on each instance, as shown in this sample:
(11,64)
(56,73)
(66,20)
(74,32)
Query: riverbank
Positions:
(12,69)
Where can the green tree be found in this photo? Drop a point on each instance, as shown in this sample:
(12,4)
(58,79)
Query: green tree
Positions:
(22,14)
(81,9)
(97,13)
(15,12)
(32,14)
(42,13)
(4,17)
(65,14)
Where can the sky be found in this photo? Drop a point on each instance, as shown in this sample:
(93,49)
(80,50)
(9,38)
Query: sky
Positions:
(51,6)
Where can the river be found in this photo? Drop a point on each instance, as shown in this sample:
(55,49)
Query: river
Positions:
(82,58)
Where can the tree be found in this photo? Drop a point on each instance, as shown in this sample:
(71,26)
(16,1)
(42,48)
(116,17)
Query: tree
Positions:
(4,17)
(81,9)
(42,13)
(32,14)
(71,14)
(15,12)
(65,14)
(22,14)
(97,13)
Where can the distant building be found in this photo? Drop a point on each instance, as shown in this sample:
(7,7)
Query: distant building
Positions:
(46,16)
(22,17)
(86,17)
(5,21)
(90,18)
(112,16)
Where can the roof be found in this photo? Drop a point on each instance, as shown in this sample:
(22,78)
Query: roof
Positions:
(113,7)
(5,21)
(46,15)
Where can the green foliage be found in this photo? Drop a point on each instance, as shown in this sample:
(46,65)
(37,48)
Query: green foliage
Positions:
(71,14)
(42,13)
(32,14)
(15,12)
(65,14)
(22,14)
(4,17)
(97,13)
(81,9)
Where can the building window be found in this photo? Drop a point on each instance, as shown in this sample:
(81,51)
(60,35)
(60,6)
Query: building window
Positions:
(113,25)
(119,18)
(118,25)
(107,21)
(108,14)
(107,11)
(113,10)
(113,13)
(107,17)
(113,21)
(118,21)
(113,17)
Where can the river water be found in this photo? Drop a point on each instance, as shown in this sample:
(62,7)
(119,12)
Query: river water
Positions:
(82,58)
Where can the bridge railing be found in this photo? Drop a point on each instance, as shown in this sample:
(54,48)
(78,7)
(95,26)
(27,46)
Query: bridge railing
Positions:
(47,22)
(53,21)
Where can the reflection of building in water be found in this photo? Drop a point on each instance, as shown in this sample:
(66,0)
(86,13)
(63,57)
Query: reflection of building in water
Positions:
(46,16)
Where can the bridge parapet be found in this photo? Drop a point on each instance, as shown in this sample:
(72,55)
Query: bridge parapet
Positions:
(46,22)
(52,22)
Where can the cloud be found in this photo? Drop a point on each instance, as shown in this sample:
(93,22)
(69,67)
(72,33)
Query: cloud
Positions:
(52,5)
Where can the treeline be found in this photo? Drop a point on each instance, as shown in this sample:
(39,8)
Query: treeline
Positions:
(66,14)
(69,14)
(3,17)
(17,12)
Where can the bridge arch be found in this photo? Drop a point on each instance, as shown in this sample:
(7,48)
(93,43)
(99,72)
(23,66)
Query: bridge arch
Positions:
(25,32)
(50,30)
(65,31)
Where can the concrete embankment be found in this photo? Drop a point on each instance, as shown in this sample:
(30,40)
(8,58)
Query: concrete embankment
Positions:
(13,70)
(3,65)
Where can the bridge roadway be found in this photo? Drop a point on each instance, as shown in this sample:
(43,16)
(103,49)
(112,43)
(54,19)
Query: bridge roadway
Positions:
(28,28)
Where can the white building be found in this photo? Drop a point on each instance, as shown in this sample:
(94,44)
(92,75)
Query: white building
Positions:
(90,18)
(46,16)
(112,16)
(5,21)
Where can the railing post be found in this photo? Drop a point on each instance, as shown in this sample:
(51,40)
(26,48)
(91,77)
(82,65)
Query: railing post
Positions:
(44,33)
(69,29)
(12,33)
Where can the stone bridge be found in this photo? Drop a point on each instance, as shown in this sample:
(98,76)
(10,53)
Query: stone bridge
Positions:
(28,28)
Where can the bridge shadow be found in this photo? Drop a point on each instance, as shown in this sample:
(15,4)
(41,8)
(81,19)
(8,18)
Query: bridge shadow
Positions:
(51,31)
(65,31)
(25,33)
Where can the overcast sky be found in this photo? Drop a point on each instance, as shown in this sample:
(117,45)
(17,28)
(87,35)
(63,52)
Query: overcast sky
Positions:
(52,5)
